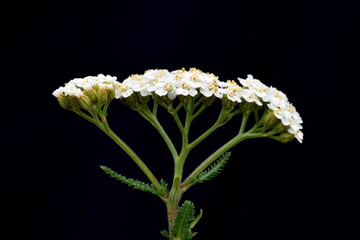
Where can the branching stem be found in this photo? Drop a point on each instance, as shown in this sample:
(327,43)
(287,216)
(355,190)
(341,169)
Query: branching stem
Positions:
(149,116)
(104,126)
(241,136)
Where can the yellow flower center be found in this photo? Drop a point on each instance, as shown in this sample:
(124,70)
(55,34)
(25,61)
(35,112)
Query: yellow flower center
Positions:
(168,87)
(213,86)
(185,86)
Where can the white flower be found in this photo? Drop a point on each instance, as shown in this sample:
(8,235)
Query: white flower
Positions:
(249,81)
(59,91)
(276,97)
(167,88)
(152,85)
(234,92)
(185,89)
(151,75)
(259,89)
(298,134)
(179,74)
(279,112)
(194,80)
(211,88)
(250,96)
(294,114)
(138,83)
(290,121)
(72,90)
(123,90)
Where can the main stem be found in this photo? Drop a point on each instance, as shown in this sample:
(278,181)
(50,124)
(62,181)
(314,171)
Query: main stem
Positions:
(176,190)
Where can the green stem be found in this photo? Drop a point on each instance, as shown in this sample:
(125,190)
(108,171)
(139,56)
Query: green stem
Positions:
(148,115)
(90,119)
(178,108)
(212,158)
(131,153)
(256,113)
(155,107)
(243,123)
(178,121)
(176,191)
(198,112)
(198,102)
(104,126)
(237,139)
(215,126)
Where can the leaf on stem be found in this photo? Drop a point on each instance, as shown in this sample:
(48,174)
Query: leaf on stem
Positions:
(164,187)
(214,169)
(184,221)
(165,234)
(192,225)
(136,184)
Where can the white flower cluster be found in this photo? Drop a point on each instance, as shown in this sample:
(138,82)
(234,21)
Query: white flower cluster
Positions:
(182,82)
(77,86)
(171,84)
(278,102)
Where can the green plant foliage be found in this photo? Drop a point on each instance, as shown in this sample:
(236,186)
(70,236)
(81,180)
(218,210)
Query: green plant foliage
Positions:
(192,225)
(184,221)
(214,169)
(164,189)
(136,184)
(165,234)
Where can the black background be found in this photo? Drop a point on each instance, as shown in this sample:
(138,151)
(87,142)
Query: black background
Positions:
(51,183)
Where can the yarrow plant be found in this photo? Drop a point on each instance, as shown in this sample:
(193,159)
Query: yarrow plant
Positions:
(194,91)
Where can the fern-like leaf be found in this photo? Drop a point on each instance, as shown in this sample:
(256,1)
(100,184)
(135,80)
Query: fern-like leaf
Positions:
(136,184)
(164,188)
(165,234)
(192,225)
(214,169)
(183,222)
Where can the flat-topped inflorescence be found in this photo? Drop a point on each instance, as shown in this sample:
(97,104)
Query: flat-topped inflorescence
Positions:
(91,92)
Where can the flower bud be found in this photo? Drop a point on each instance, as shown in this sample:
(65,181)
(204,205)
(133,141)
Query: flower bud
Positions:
(110,92)
(270,120)
(167,100)
(130,101)
(157,98)
(245,106)
(143,99)
(184,99)
(91,93)
(227,104)
(209,100)
(102,96)
(68,102)
(85,102)
(64,101)
(286,137)
(280,128)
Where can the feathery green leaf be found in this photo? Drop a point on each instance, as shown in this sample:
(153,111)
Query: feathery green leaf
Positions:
(214,169)
(164,188)
(165,234)
(136,184)
(184,222)
(192,225)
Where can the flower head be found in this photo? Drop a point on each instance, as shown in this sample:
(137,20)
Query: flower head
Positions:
(86,92)
(163,84)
